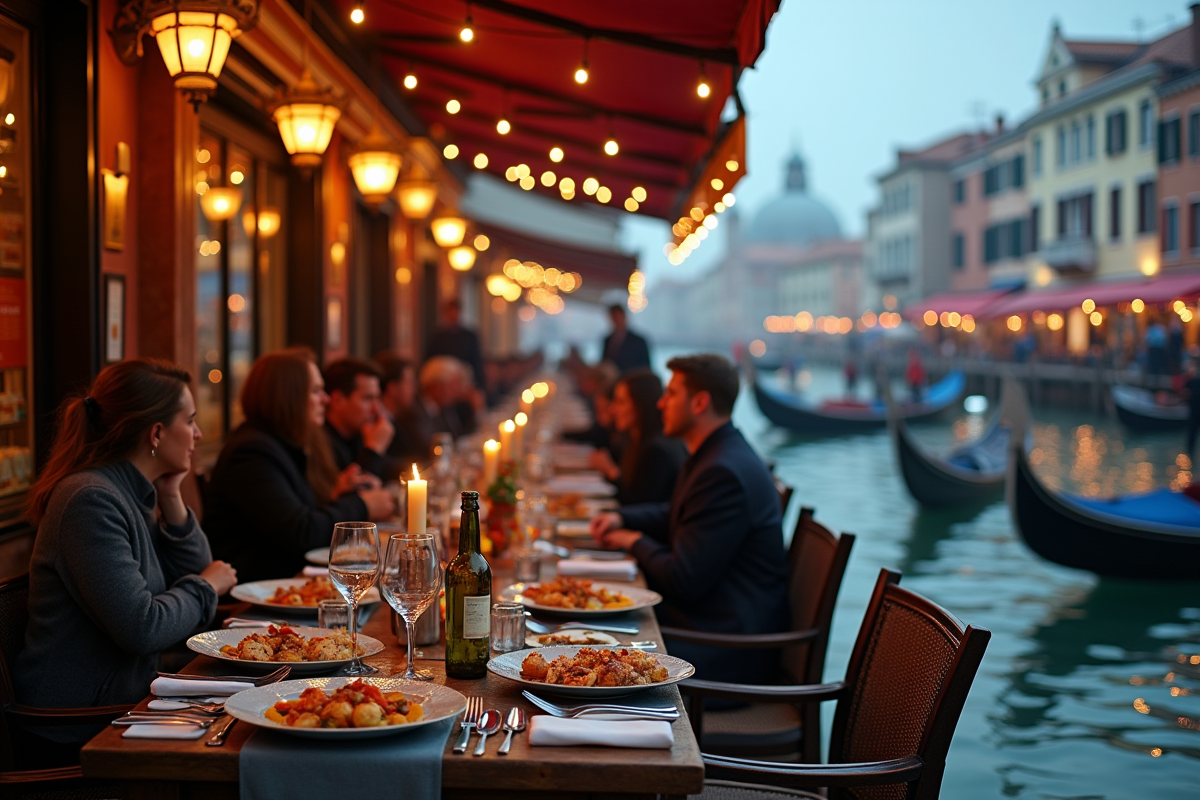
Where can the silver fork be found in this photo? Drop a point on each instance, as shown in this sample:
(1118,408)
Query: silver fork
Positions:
(594,709)
(469,720)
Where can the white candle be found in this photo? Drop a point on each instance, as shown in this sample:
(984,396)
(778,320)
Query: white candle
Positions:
(527,398)
(521,420)
(506,439)
(491,457)
(416,503)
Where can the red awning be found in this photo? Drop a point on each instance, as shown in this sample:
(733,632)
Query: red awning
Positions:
(1151,291)
(971,304)
(600,269)
(644,62)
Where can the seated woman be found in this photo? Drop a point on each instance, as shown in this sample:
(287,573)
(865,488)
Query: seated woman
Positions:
(274,493)
(650,461)
(120,569)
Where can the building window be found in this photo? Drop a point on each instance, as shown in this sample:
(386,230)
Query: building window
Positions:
(1004,240)
(1145,124)
(1035,230)
(1170,229)
(1091,137)
(1193,134)
(1075,217)
(1169,140)
(958,254)
(1145,207)
(1062,88)
(1018,171)
(1076,142)
(1114,213)
(1037,155)
(1115,138)
(960,191)
(1060,157)
(1194,225)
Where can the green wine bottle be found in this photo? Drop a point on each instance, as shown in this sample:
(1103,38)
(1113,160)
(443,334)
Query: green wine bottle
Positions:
(468,599)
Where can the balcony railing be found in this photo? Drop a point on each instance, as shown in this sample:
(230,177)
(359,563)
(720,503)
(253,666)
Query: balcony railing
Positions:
(1070,254)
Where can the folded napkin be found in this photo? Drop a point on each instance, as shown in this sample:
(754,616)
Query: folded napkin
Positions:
(243,622)
(592,568)
(171,705)
(575,528)
(174,687)
(546,731)
(316,572)
(152,731)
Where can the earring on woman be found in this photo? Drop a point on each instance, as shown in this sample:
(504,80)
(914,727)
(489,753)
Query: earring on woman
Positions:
(153,451)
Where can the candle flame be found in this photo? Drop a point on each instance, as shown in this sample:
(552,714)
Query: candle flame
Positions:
(416,475)
(509,426)
(521,418)
(491,445)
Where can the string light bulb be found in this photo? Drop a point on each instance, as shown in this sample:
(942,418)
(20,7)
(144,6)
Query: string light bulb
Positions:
(556,154)
(467,34)
(581,73)
(410,81)
(453,106)
(611,147)
(503,127)
(703,90)
(357,15)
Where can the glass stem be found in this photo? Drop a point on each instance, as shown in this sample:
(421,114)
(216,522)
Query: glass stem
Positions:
(353,623)
(411,627)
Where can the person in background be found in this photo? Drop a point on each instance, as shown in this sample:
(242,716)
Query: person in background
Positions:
(1191,389)
(650,461)
(454,340)
(1174,355)
(715,551)
(851,374)
(358,430)
(275,493)
(398,393)
(914,375)
(597,387)
(1156,348)
(624,348)
(437,404)
(121,569)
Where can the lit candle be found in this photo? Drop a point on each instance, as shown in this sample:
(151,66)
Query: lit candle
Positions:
(491,457)
(416,503)
(527,398)
(506,439)
(521,420)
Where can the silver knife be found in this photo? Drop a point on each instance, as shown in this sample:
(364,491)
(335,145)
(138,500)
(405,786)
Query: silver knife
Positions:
(199,723)
(584,626)
(220,733)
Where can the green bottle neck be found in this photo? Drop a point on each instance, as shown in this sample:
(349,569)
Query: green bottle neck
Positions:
(468,532)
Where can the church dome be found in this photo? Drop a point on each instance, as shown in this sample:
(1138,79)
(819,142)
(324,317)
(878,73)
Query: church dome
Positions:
(795,217)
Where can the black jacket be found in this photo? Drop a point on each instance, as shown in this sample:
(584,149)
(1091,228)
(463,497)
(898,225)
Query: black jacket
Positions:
(632,352)
(715,553)
(353,451)
(463,344)
(655,474)
(262,514)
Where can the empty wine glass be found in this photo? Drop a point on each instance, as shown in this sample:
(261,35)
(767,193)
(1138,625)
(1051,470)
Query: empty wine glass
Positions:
(353,568)
(410,581)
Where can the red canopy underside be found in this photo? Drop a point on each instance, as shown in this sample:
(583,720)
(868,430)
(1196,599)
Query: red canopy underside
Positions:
(521,64)
(1161,289)
(600,269)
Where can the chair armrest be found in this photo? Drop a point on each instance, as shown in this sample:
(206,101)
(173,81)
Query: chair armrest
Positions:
(753,693)
(33,716)
(796,776)
(744,641)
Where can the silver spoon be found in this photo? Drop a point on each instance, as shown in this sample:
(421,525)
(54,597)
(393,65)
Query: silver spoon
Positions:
(515,723)
(489,723)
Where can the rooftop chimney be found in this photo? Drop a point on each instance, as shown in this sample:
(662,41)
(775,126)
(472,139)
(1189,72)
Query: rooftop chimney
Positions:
(1195,7)
(1000,118)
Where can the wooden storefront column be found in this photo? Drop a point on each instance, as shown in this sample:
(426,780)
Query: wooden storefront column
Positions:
(306,261)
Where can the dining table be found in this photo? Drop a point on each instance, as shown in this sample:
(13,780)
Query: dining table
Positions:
(170,769)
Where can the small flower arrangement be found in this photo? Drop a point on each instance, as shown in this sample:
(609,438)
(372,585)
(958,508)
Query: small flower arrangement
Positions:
(502,523)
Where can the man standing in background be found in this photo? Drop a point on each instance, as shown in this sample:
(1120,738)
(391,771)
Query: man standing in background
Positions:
(624,348)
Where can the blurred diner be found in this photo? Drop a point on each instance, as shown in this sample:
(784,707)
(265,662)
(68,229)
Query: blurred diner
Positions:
(358,430)
(715,551)
(446,403)
(457,341)
(275,492)
(650,461)
(596,386)
(121,570)
(398,393)
(624,348)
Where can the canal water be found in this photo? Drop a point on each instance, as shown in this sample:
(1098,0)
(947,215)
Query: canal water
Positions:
(1090,687)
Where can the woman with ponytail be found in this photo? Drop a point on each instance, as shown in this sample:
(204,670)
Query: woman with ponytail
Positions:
(120,568)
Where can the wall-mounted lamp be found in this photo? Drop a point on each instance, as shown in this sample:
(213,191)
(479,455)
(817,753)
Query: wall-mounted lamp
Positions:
(306,115)
(375,165)
(449,231)
(220,202)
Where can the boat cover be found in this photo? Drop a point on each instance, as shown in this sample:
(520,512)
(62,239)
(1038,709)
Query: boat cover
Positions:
(1162,506)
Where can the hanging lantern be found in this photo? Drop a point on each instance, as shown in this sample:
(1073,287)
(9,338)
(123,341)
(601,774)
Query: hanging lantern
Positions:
(375,166)
(220,202)
(417,197)
(462,258)
(193,37)
(269,220)
(306,115)
(449,231)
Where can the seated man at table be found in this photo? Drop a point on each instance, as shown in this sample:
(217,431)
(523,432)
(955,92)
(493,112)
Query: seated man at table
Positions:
(358,430)
(398,386)
(715,552)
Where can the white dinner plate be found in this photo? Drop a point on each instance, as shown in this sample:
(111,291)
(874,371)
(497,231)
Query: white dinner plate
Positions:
(319,556)
(642,598)
(438,702)
(256,594)
(509,666)
(210,643)
(585,488)
(590,638)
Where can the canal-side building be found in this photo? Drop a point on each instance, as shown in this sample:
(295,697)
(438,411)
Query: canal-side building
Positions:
(1179,171)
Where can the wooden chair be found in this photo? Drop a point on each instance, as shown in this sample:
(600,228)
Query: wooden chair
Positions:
(60,781)
(785,495)
(908,678)
(816,564)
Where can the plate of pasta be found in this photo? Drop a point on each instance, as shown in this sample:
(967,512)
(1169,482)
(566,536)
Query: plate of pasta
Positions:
(579,597)
(345,708)
(585,671)
(293,594)
(308,651)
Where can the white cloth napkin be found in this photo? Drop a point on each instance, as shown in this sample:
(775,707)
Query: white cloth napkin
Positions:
(174,687)
(316,572)
(614,570)
(152,731)
(546,731)
(575,528)
(241,622)
(172,705)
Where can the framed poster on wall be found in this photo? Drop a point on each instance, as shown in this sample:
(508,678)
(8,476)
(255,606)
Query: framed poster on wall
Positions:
(114,318)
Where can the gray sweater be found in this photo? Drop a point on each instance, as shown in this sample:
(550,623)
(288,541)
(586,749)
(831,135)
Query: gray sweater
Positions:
(109,588)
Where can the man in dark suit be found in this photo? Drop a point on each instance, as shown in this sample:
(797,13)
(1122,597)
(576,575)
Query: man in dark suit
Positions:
(623,347)
(355,425)
(715,552)
(398,394)
(453,340)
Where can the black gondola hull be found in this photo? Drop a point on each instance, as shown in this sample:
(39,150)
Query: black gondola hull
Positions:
(937,484)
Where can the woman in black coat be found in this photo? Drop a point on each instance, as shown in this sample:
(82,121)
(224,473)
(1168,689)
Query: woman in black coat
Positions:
(650,461)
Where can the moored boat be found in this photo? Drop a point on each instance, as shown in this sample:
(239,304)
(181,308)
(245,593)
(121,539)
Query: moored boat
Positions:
(971,474)
(1139,409)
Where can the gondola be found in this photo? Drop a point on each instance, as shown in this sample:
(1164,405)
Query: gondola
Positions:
(970,475)
(1149,536)
(786,411)
(1138,409)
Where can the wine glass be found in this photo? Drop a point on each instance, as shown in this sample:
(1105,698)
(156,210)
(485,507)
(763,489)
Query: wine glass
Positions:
(410,581)
(353,567)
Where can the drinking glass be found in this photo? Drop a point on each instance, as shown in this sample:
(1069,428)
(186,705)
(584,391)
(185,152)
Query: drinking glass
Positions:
(411,578)
(353,568)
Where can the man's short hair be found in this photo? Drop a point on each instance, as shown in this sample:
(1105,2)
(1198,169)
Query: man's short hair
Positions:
(709,372)
(342,375)
(616,308)
(441,369)
(391,368)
